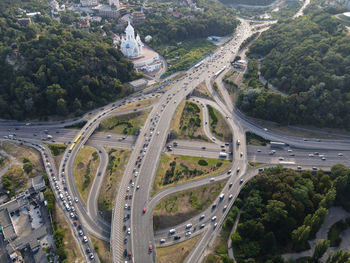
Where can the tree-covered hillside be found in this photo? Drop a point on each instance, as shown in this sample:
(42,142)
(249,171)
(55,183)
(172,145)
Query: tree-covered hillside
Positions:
(48,68)
(282,209)
(214,19)
(309,59)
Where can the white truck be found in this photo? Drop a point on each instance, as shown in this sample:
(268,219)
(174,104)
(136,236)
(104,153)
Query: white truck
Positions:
(222,155)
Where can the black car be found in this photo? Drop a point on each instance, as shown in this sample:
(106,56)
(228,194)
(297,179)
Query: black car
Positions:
(125,253)
(125,240)
(124,228)
(88,250)
(130,197)
(177,237)
(79,227)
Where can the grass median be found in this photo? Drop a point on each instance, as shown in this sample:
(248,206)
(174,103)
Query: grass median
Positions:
(179,207)
(187,122)
(102,249)
(85,167)
(125,124)
(178,169)
(218,125)
(117,161)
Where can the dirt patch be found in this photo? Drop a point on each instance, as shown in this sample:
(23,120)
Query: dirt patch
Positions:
(21,151)
(176,253)
(218,125)
(137,104)
(80,166)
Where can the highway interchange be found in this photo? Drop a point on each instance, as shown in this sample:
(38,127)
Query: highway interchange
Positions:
(146,151)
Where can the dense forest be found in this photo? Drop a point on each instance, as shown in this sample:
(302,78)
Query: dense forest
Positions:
(215,19)
(308,58)
(48,68)
(281,209)
(248,2)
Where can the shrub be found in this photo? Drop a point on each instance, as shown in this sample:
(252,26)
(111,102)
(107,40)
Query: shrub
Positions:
(202,162)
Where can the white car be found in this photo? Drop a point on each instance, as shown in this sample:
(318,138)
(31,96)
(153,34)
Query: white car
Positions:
(76,199)
(85,239)
(188,234)
(129,231)
(230,197)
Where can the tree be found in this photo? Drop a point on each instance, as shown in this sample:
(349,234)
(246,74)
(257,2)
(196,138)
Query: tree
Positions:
(275,211)
(62,107)
(301,235)
(321,248)
(338,257)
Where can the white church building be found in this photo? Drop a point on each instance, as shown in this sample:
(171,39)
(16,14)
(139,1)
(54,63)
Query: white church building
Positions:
(144,58)
(131,46)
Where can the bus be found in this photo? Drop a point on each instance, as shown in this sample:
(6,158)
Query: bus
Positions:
(219,72)
(198,65)
(78,138)
(71,147)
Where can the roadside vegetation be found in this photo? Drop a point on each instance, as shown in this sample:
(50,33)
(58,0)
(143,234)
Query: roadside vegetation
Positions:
(254,139)
(178,169)
(102,249)
(57,151)
(183,54)
(128,124)
(176,253)
(78,125)
(85,167)
(14,180)
(179,207)
(117,161)
(137,104)
(231,80)
(218,125)
(281,210)
(187,122)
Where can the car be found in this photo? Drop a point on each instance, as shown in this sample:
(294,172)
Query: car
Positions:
(213,218)
(203,148)
(202,226)
(230,185)
(311,155)
(201,217)
(125,253)
(75,223)
(162,241)
(129,231)
(126,206)
(91,256)
(230,197)
(323,158)
(188,226)
(241,154)
(225,207)
(241,181)
(215,225)
(125,241)
(124,228)
(314,168)
(137,187)
(188,234)
(128,189)
(71,215)
(80,232)
(88,250)
(76,199)
(126,197)
(258,150)
(229,171)
(289,150)
(85,240)
(129,255)
(150,248)
(299,167)
(212,179)
(281,158)
(340,154)
(213,206)
(144,210)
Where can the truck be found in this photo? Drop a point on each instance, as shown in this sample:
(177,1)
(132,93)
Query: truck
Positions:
(277,144)
(222,155)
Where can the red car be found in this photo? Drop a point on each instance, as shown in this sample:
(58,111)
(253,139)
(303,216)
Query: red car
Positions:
(144,210)
(126,197)
(129,255)
(150,248)
(75,223)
